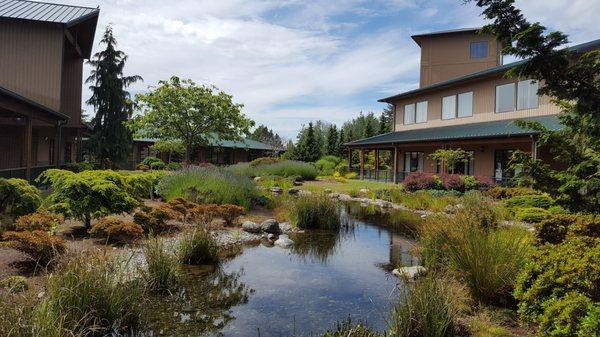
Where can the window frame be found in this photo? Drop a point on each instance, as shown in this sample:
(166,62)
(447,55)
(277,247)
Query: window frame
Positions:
(420,161)
(458,105)
(414,114)
(514,97)
(537,105)
(417,111)
(487,49)
(455,107)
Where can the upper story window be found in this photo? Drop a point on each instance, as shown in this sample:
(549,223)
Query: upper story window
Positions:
(460,105)
(479,50)
(415,113)
(505,97)
(527,97)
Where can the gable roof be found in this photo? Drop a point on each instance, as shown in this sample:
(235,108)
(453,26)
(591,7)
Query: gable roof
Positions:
(580,48)
(501,128)
(46,12)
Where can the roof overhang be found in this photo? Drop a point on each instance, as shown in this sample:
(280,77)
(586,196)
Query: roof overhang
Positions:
(418,38)
(22,105)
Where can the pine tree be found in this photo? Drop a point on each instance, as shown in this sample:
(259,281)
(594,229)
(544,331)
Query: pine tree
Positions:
(111,141)
(369,130)
(341,150)
(383,124)
(308,148)
(332,141)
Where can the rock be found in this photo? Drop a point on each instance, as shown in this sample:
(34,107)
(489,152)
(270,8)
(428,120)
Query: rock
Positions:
(271,237)
(257,179)
(363,191)
(450,209)
(284,241)
(277,190)
(410,273)
(334,195)
(251,227)
(305,192)
(298,183)
(286,227)
(270,226)
(293,191)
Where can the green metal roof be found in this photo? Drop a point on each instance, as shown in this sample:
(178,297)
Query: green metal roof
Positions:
(502,128)
(580,48)
(244,144)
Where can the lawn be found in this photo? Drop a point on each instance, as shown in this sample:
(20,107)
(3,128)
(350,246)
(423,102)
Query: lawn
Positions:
(346,185)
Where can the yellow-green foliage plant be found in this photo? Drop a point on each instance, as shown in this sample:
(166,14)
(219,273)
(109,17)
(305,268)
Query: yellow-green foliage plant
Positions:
(42,220)
(40,246)
(89,194)
(18,197)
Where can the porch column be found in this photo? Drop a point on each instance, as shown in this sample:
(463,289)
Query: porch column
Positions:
(362,163)
(395,178)
(533,148)
(57,145)
(377,164)
(79,143)
(27,144)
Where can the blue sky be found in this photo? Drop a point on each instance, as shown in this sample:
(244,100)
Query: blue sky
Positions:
(292,61)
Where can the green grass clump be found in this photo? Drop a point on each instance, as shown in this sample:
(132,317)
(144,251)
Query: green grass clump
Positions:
(209,186)
(282,168)
(423,200)
(431,308)
(198,248)
(162,272)
(315,212)
(90,295)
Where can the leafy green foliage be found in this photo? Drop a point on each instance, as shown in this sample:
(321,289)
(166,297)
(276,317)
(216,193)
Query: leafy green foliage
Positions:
(18,197)
(328,164)
(170,147)
(315,212)
(563,317)
(90,194)
(265,135)
(450,157)
(530,214)
(541,201)
(111,141)
(152,163)
(309,147)
(197,248)
(180,109)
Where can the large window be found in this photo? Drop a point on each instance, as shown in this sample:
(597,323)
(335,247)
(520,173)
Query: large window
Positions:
(449,107)
(459,167)
(413,161)
(501,165)
(527,97)
(421,112)
(465,104)
(505,97)
(479,50)
(409,114)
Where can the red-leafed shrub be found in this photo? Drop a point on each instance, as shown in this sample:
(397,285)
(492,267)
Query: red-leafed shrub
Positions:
(484,182)
(39,245)
(230,213)
(116,230)
(453,182)
(155,219)
(420,181)
(43,221)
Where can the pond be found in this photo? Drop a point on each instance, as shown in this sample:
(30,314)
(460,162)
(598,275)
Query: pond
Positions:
(266,290)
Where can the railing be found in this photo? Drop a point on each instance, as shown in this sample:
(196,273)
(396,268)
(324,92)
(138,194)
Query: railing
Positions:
(21,172)
(388,176)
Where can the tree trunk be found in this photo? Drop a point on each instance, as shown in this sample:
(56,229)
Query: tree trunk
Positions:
(188,152)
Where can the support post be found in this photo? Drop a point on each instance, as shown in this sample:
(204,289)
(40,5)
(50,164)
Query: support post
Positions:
(57,146)
(533,148)
(350,159)
(395,179)
(79,150)
(27,147)
(362,164)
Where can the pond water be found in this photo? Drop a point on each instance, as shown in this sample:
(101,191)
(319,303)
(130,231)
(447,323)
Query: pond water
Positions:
(270,291)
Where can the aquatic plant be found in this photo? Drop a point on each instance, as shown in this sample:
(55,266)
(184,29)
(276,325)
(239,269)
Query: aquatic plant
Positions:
(162,271)
(316,211)
(198,247)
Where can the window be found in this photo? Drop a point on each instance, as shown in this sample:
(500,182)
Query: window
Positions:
(421,112)
(479,50)
(501,161)
(459,167)
(413,161)
(505,97)
(409,114)
(449,107)
(465,104)
(527,97)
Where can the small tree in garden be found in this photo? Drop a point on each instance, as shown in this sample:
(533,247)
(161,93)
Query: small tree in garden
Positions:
(180,109)
(308,148)
(574,85)
(170,147)
(451,157)
(18,197)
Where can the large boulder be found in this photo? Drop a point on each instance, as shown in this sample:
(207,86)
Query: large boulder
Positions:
(410,273)
(251,227)
(270,226)
(284,241)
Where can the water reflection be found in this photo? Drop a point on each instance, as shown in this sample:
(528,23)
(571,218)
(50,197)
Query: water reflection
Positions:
(398,220)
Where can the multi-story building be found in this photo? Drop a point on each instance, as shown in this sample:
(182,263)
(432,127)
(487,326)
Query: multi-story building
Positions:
(465,101)
(42,50)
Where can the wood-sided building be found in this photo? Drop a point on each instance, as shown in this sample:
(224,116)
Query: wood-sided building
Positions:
(42,50)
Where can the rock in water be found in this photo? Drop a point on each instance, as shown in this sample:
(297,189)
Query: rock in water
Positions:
(251,227)
(284,241)
(271,226)
(410,273)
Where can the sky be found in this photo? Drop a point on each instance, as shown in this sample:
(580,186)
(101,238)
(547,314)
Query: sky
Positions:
(293,61)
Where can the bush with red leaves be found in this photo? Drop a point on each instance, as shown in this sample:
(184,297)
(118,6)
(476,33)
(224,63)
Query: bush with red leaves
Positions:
(420,181)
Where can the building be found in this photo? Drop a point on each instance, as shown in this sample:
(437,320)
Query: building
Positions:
(463,101)
(217,153)
(42,50)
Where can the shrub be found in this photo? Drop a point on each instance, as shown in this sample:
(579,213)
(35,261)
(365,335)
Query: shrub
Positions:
(18,197)
(501,192)
(431,308)
(89,193)
(351,175)
(264,161)
(173,166)
(43,221)
(208,186)
(420,181)
(198,248)
(315,212)
(470,183)
(152,163)
(289,168)
(183,207)
(40,246)
(554,273)
(484,183)
(425,200)
(327,164)
(162,272)
(585,225)
(562,317)
(81,166)
(481,210)
(537,200)
(342,168)
(453,182)
(142,184)
(230,213)
(530,214)
(116,230)
(93,295)
(154,219)
(553,229)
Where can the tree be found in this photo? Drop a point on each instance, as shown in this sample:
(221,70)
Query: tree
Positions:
(181,110)
(169,146)
(450,157)
(267,136)
(308,148)
(111,141)
(332,141)
(574,84)
(341,150)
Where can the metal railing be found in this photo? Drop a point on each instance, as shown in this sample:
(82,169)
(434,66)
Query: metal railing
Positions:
(388,176)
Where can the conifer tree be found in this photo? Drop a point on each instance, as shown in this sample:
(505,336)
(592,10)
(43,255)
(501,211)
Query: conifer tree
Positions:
(332,141)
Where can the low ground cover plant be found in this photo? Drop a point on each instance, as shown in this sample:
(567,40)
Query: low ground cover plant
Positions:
(155,219)
(209,186)
(501,192)
(115,229)
(18,197)
(315,212)
(40,246)
(42,220)
(198,247)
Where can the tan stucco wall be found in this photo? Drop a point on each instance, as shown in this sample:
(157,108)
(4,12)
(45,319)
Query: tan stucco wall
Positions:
(448,56)
(484,92)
